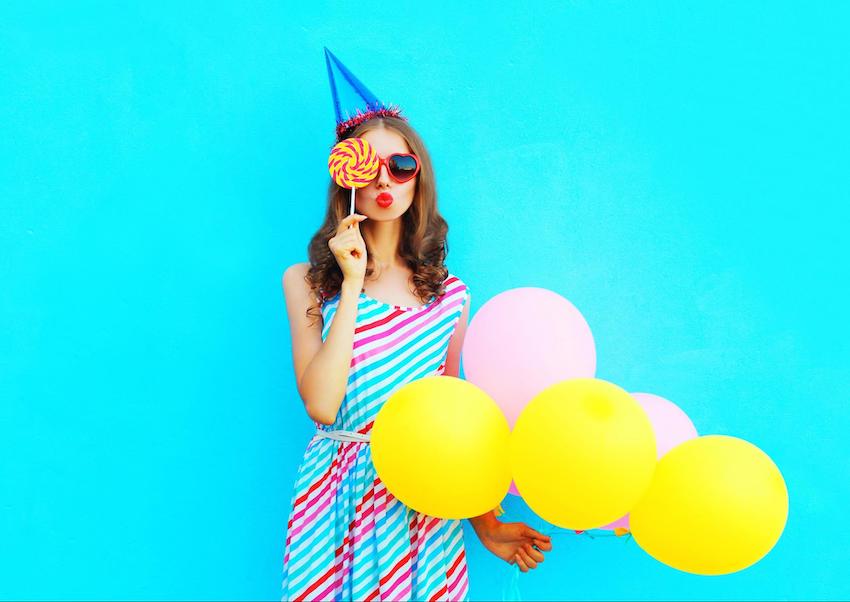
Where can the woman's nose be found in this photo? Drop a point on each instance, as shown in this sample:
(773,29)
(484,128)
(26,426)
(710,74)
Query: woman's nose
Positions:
(383,175)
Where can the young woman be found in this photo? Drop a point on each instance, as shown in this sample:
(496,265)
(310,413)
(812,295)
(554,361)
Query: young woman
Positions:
(389,312)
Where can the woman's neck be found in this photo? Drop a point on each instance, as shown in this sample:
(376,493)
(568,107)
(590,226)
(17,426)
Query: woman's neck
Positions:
(383,241)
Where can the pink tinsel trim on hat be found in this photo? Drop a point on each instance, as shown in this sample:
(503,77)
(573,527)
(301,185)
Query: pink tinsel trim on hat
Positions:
(343,127)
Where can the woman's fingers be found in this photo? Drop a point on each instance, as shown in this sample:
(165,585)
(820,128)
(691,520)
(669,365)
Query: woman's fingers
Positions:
(351,240)
(522,566)
(355,224)
(531,533)
(546,546)
(349,220)
(534,554)
(527,560)
(345,222)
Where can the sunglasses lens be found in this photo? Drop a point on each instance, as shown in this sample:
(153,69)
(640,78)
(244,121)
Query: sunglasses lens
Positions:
(403,167)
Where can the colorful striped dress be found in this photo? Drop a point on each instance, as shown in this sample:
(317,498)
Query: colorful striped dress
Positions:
(348,538)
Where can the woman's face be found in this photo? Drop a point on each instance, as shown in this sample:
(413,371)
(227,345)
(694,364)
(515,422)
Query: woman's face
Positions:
(385,142)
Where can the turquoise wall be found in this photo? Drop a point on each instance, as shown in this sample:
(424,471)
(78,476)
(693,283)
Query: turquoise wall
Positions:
(676,170)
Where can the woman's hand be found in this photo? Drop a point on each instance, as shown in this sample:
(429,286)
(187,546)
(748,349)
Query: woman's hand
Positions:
(349,248)
(513,543)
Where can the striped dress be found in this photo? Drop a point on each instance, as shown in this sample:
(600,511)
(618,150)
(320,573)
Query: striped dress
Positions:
(348,538)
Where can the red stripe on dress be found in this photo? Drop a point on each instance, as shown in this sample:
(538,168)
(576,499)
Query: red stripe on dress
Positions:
(460,578)
(456,563)
(430,526)
(398,565)
(306,494)
(315,585)
(438,593)
(377,323)
(396,313)
(299,513)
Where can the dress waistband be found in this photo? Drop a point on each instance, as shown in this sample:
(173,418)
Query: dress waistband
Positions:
(340,435)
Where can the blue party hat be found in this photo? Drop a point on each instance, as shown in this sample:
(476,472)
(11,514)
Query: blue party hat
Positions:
(353,102)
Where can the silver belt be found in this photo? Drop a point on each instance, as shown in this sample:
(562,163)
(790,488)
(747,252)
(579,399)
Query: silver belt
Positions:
(340,435)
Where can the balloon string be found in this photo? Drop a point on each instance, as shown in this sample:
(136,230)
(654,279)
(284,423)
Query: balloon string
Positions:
(597,533)
(550,530)
(511,590)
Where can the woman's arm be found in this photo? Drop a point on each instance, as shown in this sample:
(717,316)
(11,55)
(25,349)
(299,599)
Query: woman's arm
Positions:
(321,369)
(484,523)
(456,342)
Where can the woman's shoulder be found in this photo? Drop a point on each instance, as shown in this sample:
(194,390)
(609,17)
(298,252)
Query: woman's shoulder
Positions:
(295,283)
(294,275)
(297,270)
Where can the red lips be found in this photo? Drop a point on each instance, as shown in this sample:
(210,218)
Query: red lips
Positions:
(385,199)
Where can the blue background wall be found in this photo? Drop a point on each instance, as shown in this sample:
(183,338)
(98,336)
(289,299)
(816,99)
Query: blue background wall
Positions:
(677,170)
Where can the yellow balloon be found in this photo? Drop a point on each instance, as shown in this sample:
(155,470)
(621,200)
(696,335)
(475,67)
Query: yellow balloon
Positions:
(582,453)
(716,505)
(440,445)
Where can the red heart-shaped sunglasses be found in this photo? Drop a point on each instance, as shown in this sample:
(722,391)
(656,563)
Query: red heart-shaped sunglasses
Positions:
(401,166)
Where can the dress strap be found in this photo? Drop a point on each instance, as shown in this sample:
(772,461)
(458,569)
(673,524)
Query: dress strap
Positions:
(340,435)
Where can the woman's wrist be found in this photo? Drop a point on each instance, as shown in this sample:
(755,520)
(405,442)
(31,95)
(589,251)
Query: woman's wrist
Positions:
(351,286)
(484,522)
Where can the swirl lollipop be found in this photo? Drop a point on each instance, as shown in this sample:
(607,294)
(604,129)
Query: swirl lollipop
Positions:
(353,164)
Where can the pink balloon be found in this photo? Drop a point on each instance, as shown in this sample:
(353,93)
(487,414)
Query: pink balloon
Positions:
(671,426)
(522,341)
(623,521)
(670,423)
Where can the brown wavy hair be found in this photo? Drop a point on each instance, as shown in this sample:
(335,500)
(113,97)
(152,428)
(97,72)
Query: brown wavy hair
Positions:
(423,243)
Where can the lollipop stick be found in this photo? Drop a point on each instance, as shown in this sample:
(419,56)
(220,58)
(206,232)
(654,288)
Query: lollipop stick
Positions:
(352,201)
